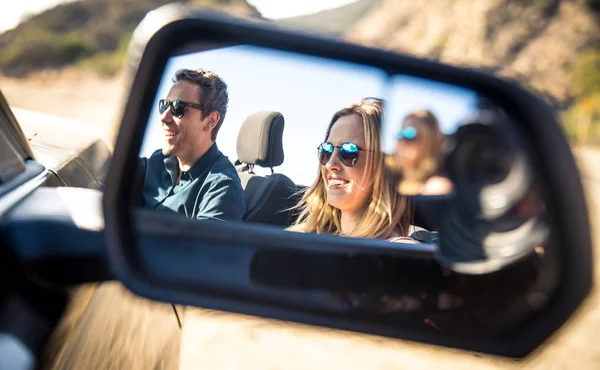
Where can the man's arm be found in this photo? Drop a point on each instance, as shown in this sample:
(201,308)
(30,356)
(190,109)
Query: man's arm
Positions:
(224,200)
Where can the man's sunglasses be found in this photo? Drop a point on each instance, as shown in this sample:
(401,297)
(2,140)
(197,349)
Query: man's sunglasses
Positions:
(408,133)
(177,106)
(348,153)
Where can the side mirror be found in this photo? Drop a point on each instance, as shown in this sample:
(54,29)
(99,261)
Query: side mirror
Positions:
(504,252)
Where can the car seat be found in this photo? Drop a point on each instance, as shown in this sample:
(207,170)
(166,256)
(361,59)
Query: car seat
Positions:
(268,198)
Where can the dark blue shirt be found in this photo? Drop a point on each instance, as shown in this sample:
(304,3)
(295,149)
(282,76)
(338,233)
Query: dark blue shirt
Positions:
(210,190)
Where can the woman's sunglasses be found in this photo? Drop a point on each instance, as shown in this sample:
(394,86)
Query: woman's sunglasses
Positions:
(348,153)
(408,133)
(177,106)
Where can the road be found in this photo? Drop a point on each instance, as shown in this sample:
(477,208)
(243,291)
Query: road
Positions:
(107,327)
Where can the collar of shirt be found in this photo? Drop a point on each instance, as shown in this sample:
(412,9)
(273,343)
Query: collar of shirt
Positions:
(172,165)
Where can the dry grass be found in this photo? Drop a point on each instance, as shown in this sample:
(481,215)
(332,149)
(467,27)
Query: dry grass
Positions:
(70,94)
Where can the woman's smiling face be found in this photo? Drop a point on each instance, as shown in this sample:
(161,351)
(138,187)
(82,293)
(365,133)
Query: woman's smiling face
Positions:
(347,188)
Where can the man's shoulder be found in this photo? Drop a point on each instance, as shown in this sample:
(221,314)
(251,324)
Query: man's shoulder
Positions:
(224,170)
(156,159)
(157,155)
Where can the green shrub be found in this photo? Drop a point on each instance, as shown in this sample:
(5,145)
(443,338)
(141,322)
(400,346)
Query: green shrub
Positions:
(64,17)
(107,64)
(582,120)
(586,74)
(72,47)
(72,32)
(40,50)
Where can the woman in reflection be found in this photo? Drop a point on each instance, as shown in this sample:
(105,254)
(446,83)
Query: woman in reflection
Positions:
(418,155)
(354,193)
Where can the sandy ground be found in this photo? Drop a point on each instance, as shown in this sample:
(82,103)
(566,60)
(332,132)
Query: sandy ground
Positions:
(70,95)
(106,324)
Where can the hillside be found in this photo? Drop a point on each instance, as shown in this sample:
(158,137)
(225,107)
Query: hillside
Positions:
(550,46)
(538,42)
(335,22)
(91,34)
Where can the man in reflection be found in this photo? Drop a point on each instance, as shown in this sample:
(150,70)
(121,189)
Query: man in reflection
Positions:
(190,175)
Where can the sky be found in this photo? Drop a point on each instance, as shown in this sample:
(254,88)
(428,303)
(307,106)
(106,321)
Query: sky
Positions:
(307,91)
(12,13)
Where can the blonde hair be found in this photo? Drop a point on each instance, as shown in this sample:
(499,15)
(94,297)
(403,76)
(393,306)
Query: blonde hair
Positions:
(431,138)
(424,119)
(387,213)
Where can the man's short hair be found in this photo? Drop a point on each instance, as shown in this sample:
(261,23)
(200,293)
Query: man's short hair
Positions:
(213,93)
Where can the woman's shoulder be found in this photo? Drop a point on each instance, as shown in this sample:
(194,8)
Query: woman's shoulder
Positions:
(299,228)
(403,239)
(417,235)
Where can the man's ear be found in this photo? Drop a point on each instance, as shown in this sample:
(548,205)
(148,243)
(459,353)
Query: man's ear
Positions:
(211,121)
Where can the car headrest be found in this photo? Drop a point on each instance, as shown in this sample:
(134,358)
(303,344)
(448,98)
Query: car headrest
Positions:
(260,139)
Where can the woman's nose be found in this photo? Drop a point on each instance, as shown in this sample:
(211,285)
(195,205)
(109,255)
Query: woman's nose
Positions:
(334,161)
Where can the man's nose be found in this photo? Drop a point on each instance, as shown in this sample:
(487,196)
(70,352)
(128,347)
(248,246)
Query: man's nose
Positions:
(166,116)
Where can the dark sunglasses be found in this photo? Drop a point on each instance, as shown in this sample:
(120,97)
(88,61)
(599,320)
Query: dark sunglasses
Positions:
(348,153)
(177,106)
(408,133)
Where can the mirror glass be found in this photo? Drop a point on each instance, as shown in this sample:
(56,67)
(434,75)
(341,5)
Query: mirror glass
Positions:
(305,90)
(313,145)
(421,113)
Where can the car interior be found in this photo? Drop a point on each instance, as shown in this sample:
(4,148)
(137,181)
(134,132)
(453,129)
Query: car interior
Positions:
(271,199)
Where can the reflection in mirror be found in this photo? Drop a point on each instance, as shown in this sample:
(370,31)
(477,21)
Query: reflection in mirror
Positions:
(419,115)
(270,113)
(459,152)
(307,144)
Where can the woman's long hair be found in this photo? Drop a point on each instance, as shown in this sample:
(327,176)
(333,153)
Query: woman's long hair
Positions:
(386,213)
(428,127)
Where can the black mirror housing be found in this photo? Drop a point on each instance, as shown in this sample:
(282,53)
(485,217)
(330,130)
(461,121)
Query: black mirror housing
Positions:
(140,261)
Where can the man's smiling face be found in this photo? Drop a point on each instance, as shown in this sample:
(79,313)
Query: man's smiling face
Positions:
(182,135)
